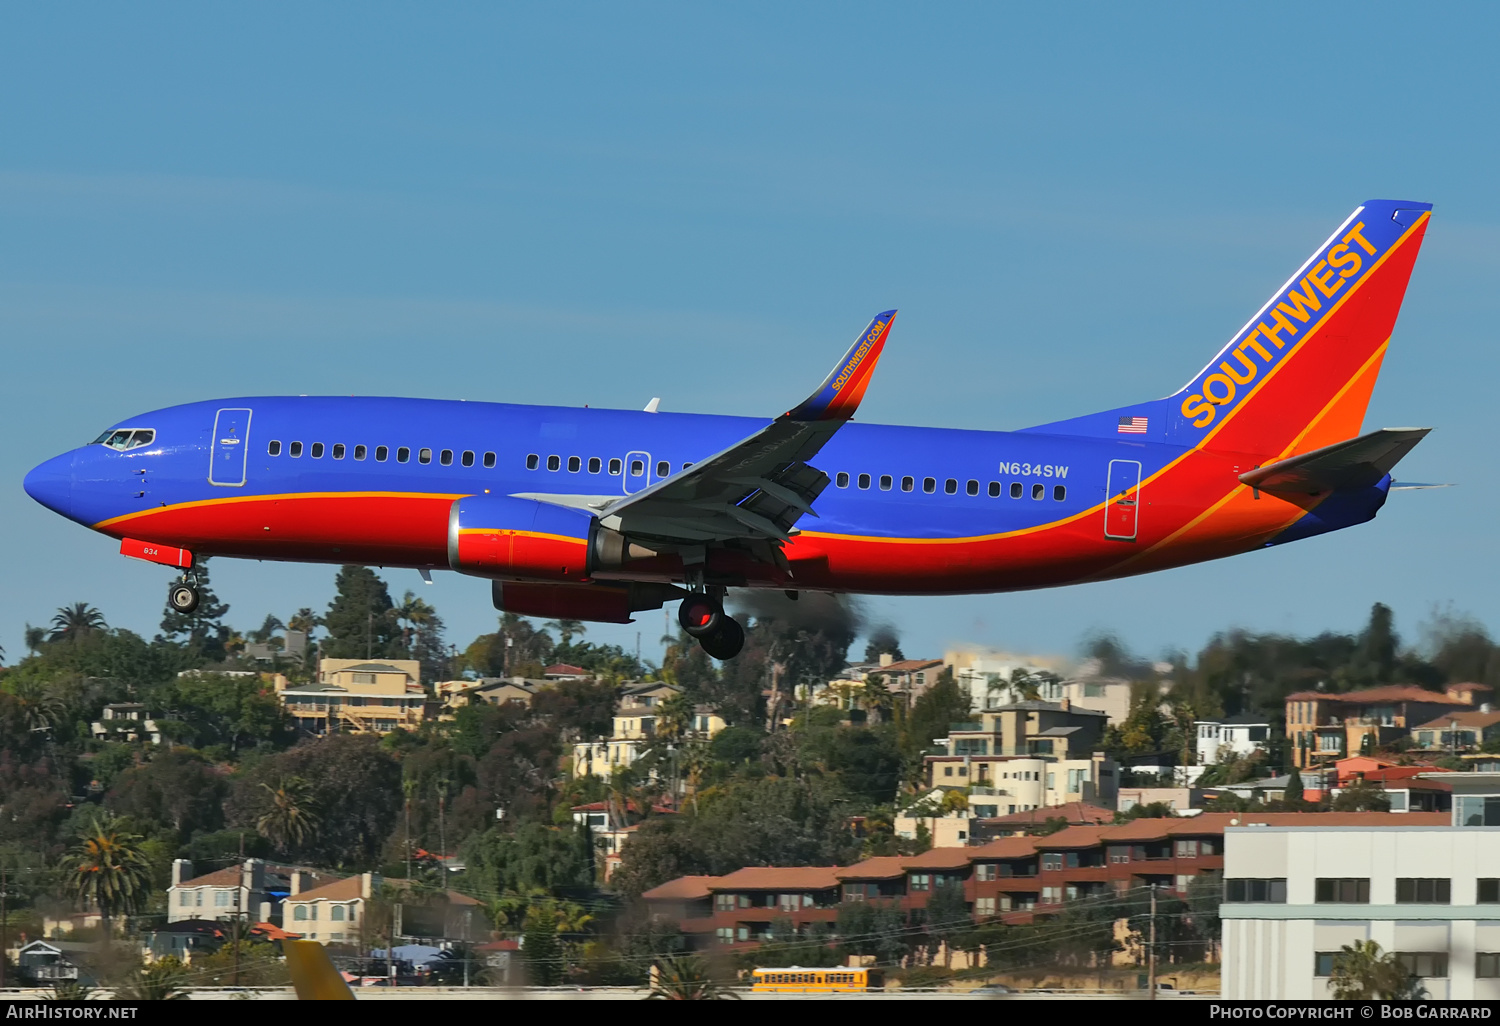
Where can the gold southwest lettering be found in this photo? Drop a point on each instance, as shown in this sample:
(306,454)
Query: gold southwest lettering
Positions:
(1194,406)
(1250,341)
(1270,333)
(1209,394)
(1303,304)
(1250,368)
(1323,274)
(1340,261)
(1364,243)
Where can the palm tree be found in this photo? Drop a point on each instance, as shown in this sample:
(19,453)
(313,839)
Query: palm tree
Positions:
(268,628)
(566,629)
(158,981)
(414,614)
(292,819)
(73,622)
(36,637)
(108,868)
(686,979)
(42,706)
(674,718)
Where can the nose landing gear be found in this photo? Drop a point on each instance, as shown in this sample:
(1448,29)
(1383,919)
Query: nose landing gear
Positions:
(702,616)
(183,596)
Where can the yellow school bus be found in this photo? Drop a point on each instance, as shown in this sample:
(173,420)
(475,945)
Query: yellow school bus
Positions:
(797,980)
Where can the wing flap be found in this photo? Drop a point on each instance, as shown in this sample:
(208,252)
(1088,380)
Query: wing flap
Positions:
(1357,463)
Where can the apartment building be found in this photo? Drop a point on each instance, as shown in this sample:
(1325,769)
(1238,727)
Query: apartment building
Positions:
(1428,890)
(635,727)
(358,696)
(253,889)
(1010,878)
(1324,727)
(1230,738)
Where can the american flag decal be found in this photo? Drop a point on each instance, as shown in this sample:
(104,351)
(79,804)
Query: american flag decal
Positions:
(1132,426)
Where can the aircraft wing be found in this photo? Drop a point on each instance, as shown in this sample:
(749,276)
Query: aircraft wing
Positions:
(1357,463)
(758,488)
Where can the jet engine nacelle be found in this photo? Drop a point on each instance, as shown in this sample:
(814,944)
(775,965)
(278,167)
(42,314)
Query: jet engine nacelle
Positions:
(502,536)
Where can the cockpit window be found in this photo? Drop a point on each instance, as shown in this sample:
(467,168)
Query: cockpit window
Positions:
(126,438)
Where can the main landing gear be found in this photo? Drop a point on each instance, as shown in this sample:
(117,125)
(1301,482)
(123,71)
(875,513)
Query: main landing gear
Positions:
(183,596)
(702,616)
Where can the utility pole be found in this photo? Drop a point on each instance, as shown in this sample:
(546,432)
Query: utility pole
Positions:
(1151,957)
(3,944)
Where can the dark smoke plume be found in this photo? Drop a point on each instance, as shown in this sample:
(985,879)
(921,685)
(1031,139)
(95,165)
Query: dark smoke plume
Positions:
(813,611)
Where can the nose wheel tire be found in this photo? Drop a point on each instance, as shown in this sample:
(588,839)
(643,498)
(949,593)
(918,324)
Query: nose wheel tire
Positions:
(700,615)
(726,641)
(183,598)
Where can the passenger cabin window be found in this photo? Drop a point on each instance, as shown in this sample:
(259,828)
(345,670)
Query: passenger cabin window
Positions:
(929,485)
(1015,489)
(595,463)
(424,455)
(574,464)
(1059,493)
(885,482)
(908,483)
(489,460)
(664,469)
(295,450)
(274,449)
(841,479)
(972,487)
(994,489)
(360,452)
(554,462)
(317,450)
(338,450)
(950,486)
(615,466)
(864,481)
(467,459)
(382,453)
(403,454)
(533,461)
(637,468)
(446,457)
(1038,490)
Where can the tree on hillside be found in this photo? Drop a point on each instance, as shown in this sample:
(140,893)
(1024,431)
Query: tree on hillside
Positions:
(203,630)
(70,623)
(1363,972)
(359,621)
(422,636)
(290,820)
(942,704)
(108,869)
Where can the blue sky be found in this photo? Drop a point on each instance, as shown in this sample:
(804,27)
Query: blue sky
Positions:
(1073,208)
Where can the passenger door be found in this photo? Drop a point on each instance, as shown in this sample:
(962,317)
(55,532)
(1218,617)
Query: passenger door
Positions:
(230,448)
(637,471)
(1122,499)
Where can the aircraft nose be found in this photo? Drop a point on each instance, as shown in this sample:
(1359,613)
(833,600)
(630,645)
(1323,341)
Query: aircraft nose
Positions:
(51,484)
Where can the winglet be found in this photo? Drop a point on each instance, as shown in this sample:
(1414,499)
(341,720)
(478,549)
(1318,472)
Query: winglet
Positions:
(839,395)
(313,974)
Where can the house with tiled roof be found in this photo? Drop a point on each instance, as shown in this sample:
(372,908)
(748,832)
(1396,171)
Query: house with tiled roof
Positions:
(333,912)
(1459,731)
(1324,727)
(358,696)
(252,888)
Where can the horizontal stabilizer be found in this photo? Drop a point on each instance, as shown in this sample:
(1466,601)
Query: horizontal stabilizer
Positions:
(1414,486)
(1357,463)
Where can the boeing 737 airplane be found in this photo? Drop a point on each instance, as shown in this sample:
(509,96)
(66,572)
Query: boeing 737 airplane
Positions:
(596,514)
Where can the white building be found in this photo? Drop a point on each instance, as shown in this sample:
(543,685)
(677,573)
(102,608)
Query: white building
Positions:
(1231,738)
(1429,891)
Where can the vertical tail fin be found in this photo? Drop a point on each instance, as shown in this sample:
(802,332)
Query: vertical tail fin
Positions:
(1298,375)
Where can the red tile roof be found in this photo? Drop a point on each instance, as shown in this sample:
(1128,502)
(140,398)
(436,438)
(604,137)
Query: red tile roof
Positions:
(1073,812)
(1073,837)
(684,888)
(1006,848)
(226,877)
(1476,719)
(563,669)
(907,666)
(347,889)
(1387,693)
(881,867)
(1468,687)
(770,878)
(940,858)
